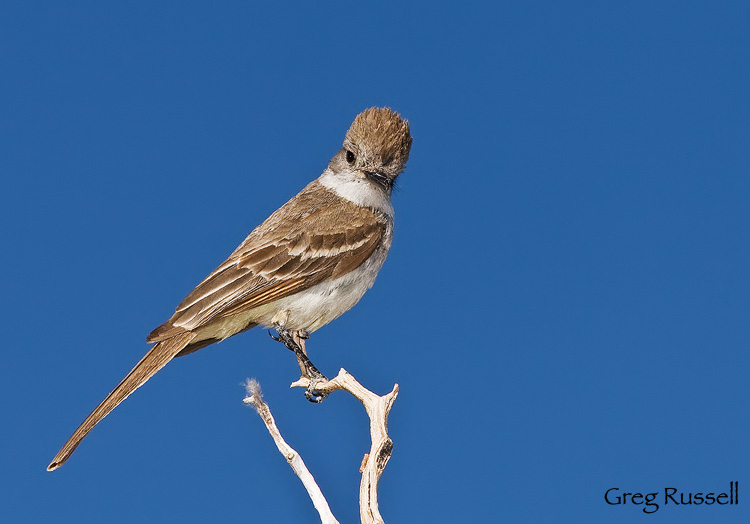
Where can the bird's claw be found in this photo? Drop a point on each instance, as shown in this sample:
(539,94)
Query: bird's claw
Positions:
(314,396)
(286,338)
(315,378)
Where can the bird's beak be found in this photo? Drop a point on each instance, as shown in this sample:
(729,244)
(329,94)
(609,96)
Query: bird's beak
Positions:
(379,179)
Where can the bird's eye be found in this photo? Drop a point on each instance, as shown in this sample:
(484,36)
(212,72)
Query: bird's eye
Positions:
(350,157)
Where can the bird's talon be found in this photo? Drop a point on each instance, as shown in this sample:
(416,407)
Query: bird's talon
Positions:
(316,397)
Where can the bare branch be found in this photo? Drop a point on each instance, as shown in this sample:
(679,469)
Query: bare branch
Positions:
(373,462)
(381,447)
(255,398)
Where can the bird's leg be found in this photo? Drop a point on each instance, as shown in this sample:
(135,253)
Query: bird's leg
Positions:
(299,338)
(294,340)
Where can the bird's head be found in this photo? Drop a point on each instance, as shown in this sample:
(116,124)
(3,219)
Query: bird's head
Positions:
(376,148)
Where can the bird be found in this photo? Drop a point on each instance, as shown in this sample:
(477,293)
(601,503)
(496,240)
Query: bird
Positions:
(308,263)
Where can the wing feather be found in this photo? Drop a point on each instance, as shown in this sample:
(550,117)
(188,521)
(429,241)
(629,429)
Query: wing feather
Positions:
(314,237)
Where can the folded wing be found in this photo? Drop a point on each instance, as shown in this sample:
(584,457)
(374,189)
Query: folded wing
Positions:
(291,251)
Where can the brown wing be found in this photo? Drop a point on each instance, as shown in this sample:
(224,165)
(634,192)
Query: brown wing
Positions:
(313,237)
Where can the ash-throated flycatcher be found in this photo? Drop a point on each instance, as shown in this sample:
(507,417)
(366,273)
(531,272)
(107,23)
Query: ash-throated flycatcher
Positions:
(307,264)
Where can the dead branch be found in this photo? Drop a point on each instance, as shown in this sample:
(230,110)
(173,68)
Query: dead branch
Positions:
(292,457)
(373,463)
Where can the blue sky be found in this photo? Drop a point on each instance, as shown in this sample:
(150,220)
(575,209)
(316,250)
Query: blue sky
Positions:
(565,306)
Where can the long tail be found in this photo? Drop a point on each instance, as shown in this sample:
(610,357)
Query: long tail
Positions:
(155,359)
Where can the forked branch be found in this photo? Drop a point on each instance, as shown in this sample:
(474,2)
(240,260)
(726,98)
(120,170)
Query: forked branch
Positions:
(373,463)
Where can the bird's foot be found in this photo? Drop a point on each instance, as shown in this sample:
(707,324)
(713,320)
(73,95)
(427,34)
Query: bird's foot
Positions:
(294,341)
(315,377)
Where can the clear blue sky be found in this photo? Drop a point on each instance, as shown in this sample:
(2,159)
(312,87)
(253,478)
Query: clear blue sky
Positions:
(565,307)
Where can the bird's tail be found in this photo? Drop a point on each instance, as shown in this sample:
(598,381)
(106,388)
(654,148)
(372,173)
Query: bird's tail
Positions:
(155,359)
